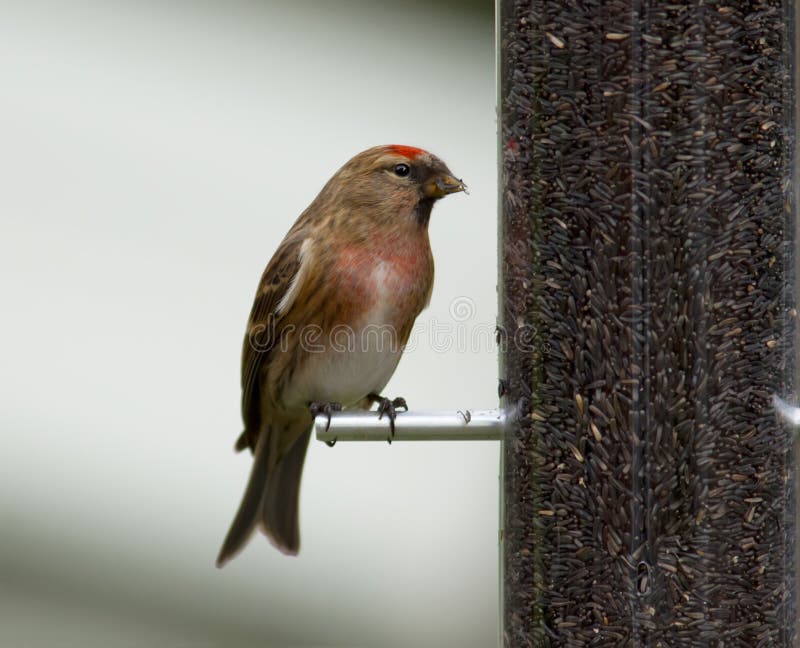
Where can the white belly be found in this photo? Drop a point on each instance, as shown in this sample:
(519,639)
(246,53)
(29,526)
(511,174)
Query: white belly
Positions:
(351,362)
(349,370)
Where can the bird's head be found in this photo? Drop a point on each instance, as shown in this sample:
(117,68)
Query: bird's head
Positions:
(392,184)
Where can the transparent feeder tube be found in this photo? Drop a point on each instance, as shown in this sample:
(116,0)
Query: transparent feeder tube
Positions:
(648,292)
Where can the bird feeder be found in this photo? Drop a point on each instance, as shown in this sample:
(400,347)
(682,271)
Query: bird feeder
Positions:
(648,302)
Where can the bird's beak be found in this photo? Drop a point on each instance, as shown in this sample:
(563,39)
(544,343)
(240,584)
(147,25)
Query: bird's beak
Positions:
(441,185)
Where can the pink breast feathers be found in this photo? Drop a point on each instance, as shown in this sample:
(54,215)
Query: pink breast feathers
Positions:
(389,281)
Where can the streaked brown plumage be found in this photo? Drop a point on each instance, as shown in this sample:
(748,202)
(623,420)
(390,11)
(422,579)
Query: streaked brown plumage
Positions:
(357,260)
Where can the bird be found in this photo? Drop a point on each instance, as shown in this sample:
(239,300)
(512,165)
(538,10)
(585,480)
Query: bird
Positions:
(331,315)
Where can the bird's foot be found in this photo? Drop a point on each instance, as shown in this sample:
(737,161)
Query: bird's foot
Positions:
(389,406)
(327,409)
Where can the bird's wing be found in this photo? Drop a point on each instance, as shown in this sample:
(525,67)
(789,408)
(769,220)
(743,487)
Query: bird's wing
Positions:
(277,290)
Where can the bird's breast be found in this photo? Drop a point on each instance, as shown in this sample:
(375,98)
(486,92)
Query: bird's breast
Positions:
(375,298)
(388,285)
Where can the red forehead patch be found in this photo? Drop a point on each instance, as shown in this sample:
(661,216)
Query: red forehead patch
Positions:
(406,151)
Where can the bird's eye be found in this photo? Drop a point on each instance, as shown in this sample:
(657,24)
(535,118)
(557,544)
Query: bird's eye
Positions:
(402,170)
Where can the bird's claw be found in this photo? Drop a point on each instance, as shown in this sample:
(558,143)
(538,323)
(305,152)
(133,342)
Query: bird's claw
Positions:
(389,407)
(327,409)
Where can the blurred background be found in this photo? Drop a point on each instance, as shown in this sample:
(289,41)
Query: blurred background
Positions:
(152,156)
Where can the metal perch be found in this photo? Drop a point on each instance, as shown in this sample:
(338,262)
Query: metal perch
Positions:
(447,425)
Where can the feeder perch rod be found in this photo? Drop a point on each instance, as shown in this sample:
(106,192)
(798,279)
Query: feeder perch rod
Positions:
(788,413)
(447,425)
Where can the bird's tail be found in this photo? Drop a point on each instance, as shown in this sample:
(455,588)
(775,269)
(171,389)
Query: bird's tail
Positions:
(279,518)
(271,494)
